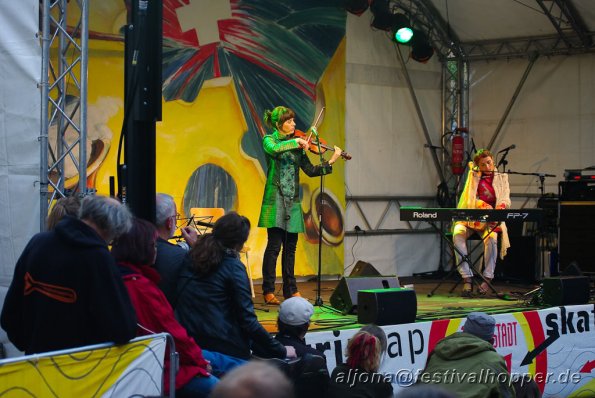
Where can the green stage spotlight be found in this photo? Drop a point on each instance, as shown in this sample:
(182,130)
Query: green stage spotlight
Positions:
(401,29)
(403,35)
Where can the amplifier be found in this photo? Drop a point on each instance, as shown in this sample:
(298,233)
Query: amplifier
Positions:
(577,190)
(576,235)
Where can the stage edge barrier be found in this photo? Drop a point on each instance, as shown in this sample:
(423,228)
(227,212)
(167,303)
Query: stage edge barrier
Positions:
(102,370)
(554,346)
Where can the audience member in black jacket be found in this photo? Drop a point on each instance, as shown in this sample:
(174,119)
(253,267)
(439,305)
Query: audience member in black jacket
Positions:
(170,257)
(66,290)
(293,324)
(214,302)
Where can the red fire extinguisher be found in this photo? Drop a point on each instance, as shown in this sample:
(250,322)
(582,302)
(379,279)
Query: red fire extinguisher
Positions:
(458,151)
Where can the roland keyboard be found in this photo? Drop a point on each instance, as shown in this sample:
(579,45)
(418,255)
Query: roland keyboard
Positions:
(409,213)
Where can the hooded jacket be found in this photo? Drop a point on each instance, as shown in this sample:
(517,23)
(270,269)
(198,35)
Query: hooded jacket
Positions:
(217,310)
(467,366)
(67,292)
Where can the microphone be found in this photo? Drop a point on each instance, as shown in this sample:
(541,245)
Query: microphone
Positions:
(314,131)
(142,7)
(508,148)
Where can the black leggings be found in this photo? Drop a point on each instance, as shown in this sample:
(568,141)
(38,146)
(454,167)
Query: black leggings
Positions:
(278,237)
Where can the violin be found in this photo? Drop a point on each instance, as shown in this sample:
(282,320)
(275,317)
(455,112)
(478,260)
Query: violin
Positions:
(313,144)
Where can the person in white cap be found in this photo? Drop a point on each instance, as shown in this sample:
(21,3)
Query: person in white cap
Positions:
(310,376)
(466,363)
(293,323)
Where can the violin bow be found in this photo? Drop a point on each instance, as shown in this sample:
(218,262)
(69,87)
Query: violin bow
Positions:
(315,125)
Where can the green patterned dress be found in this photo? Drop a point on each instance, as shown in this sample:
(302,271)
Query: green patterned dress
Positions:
(281,192)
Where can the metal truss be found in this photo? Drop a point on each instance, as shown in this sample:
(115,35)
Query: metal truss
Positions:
(455,78)
(455,117)
(63,85)
(568,22)
(522,48)
(424,16)
(572,36)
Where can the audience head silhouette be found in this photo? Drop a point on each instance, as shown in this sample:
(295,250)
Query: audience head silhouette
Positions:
(254,380)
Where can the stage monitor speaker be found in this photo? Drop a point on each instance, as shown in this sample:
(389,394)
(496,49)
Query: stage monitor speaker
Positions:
(344,298)
(386,306)
(572,270)
(566,290)
(363,268)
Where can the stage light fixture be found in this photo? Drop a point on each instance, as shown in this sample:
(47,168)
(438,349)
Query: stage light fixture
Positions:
(403,35)
(402,32)
(384,19)
(356,7)
(421,49)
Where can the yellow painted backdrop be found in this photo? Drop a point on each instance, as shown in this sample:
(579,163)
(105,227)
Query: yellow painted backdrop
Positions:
(210,130)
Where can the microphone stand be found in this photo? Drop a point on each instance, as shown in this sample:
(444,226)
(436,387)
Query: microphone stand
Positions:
(541,178)
(503,161)
(318,302)
(542,234)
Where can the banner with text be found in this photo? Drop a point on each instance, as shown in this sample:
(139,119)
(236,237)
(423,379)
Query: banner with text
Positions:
(555,347)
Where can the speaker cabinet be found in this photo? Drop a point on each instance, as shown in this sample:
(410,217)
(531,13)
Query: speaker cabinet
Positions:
(386,306)
(566,290)
(520,263)
(576,235)
(363,268)
(344,298)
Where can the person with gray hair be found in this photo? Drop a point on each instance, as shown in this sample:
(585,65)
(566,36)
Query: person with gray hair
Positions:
(466,363)
(256,379)
(170,257)
(108,217)
(66,290)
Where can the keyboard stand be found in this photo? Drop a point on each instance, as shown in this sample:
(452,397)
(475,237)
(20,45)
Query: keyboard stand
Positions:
(464,258)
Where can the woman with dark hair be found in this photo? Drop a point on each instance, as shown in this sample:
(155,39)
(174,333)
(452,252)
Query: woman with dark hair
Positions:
(359,376)
(135,253)
(214,301)
(485,188)
(281,211)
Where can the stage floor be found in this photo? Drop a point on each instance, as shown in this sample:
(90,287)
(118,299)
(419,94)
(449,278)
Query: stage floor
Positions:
(441,305)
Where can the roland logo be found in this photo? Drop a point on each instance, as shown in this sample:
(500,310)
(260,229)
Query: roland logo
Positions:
(424,215)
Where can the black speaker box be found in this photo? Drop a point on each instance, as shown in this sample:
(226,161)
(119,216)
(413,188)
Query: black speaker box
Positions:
(344,298)
(363,268)
(576,235)
(386,306)
(520,262)
(566,290)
